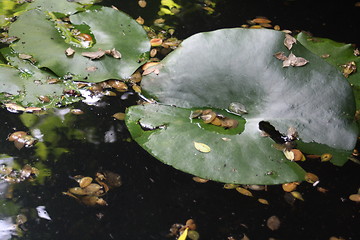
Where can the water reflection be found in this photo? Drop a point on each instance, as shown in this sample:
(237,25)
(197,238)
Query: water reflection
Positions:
(7,228)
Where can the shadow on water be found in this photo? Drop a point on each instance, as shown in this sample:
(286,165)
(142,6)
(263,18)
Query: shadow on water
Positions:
(154,196)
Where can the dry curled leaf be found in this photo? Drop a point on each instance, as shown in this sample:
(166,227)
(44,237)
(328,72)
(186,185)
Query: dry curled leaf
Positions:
(348,68)
(25,56)
(140,20)
(280,56)
(261,20)
(91,69)
(114,53)
(289,41)
(94,55)
(294,61)
(202,147)
(69,52)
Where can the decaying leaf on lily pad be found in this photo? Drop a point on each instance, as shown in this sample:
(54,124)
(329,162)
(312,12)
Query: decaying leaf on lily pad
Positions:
(348,68)
(291,60)
(289,41)
(94,55)
(69,52)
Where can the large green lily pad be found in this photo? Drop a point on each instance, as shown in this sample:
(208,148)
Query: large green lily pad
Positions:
(110,29)
(217,68)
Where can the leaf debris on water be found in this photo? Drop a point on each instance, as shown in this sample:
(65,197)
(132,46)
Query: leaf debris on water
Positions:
(244,191)
(202,147)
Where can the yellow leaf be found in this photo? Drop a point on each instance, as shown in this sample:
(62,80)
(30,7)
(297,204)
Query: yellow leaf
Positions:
(202,147)
(289,155)
(263,201)
(244,191)
(184,234)
(297,195)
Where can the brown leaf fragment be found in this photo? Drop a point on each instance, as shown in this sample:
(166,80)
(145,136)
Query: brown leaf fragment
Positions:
(289,41)
(25,56)
(280,56)
(114,53)
(294,61)
(140,20)
(348,68)
(69,52)
(94,55)
(91,69)
(356,52)
(142,3)
(273,223)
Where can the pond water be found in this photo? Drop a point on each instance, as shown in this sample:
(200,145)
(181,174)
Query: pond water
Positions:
(153,196)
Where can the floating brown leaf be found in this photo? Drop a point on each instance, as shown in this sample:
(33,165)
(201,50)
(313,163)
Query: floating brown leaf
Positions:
(244,191)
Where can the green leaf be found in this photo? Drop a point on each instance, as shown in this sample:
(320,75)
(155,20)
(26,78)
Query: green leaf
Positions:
(24,83)
(61,6)
(338,54)
(215,69)
(110,29)
(169,134)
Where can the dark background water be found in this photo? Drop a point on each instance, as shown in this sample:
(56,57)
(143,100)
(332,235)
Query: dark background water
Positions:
(154,196)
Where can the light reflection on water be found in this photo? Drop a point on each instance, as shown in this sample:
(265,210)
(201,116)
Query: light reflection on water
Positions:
(7,228)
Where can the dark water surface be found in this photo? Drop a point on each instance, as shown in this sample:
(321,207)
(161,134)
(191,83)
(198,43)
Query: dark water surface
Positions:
(153,195)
